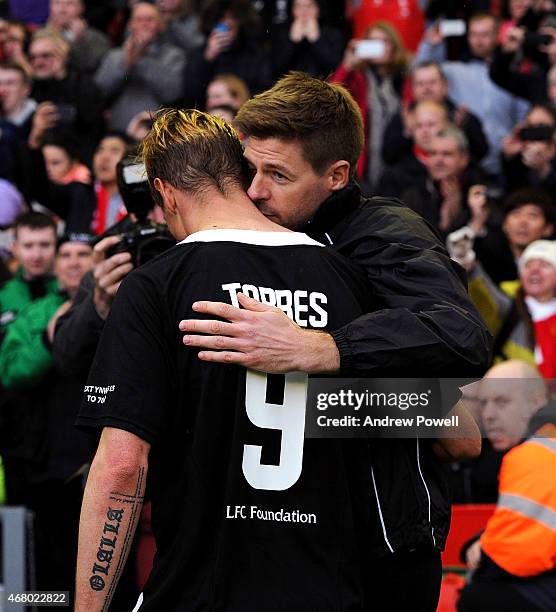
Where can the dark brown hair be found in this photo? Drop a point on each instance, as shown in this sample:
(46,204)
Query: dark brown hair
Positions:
(35,221)
(16,68)
(322,117)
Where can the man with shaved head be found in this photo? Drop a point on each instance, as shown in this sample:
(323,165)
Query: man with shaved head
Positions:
(144,72)
(514,560)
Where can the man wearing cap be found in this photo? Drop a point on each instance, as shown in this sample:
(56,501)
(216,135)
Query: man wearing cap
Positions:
(42,451)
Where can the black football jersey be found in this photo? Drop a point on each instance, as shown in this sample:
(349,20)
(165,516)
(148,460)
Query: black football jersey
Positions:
(248,515)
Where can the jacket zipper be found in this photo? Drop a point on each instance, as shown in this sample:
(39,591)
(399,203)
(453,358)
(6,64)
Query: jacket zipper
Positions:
(427,490)
(380,512)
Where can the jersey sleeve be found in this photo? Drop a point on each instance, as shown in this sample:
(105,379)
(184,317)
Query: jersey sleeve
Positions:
(128,381)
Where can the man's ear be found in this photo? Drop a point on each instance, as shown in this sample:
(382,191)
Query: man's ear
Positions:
(548,231)
(168,194)
(338,174)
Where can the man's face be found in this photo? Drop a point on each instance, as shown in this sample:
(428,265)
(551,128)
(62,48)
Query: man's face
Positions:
(46,59)
(145,21)
(505,412)
(63,12)
(482,38)
(428,84)
(73,260)
(538,278)
(107,155)
(526,224)
(13,90)
(35,250)
(284,185)
(445,159)
(428,121)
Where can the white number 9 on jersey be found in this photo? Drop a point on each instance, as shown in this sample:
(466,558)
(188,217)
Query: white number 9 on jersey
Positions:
(289,418)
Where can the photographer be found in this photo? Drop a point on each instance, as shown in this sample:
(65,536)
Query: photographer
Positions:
(78,331)
(529,152)
(517,45)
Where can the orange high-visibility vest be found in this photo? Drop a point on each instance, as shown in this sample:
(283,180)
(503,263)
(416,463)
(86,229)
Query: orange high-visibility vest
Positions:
(520,536)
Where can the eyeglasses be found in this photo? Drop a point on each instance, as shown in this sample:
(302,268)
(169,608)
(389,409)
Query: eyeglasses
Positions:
(34,56)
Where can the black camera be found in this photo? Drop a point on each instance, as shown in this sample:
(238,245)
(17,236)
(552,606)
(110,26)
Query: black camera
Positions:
(146,239)
(532,40)
(539,132)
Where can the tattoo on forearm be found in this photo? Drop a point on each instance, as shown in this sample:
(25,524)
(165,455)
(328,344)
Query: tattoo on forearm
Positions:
(113,542)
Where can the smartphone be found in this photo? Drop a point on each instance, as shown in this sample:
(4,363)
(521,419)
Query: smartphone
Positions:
(370,49)
(533,39)
(221,27)
(538,133)
(452,27)
(66,113)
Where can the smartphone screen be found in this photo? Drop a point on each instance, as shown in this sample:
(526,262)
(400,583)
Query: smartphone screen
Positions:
(452,27)
(370,49)
(135,173)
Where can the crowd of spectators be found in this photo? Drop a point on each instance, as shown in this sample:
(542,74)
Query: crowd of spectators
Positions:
(459,109)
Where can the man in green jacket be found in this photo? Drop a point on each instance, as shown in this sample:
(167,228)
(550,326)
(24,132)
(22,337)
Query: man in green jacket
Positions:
(42,450)
(34,247)
(25,356)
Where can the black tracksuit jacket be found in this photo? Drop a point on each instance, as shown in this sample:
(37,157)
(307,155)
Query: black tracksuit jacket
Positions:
(424,326)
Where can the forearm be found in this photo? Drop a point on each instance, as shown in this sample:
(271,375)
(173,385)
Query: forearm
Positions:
(517,83)
(111,73)
(428,52)
(320,354)
(111,509)
(438,339)
(78,333)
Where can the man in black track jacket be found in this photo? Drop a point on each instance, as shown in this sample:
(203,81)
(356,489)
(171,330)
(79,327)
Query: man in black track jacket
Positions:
(424,324)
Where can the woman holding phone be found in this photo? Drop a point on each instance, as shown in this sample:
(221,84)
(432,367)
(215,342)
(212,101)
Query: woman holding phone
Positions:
(306,43)
(373,69)
(232,47)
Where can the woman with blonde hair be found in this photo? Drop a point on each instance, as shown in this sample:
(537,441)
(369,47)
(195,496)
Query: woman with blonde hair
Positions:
(227,90)
(373,69)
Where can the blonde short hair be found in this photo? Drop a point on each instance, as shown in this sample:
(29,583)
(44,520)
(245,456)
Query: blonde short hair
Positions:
(193,151)
(60,43)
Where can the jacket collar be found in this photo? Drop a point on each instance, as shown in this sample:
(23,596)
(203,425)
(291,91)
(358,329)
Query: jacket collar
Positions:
(327,222)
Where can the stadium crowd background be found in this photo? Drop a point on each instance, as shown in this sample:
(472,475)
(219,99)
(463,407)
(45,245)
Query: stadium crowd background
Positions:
(460,125)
